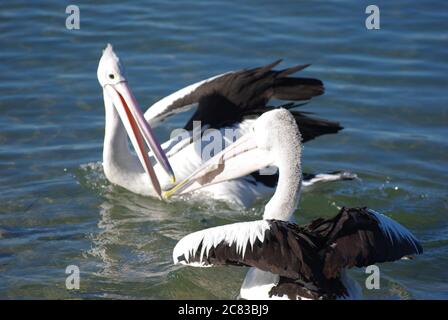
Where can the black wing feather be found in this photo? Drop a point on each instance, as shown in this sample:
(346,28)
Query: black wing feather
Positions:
(227,99)
(361,237)
(309,259)
(319,251)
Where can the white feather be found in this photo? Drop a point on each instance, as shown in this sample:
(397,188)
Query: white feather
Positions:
(153,114)
(241,234)
(327,177)
(257,285)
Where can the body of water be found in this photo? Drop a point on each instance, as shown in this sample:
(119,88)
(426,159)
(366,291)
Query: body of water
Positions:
(387,87)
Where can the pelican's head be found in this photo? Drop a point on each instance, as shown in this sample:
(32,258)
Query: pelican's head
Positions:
(118,96)
(276,133)
(110,71)
(274,140)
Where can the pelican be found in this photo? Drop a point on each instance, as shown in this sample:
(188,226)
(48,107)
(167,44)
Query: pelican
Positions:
(288,261)
(231,101)
(123,115)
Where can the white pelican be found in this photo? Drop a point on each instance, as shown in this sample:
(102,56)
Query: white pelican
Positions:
(289,261)
(124,115)
(229,101)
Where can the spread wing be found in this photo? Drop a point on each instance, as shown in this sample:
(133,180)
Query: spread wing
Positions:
(228,98)
(315,253)
(270,245)
(361,237)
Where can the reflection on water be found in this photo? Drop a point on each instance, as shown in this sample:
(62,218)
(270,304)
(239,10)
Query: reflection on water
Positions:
(136,246)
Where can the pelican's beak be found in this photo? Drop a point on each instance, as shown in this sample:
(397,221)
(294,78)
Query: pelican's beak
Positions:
(239,159)
(139,131)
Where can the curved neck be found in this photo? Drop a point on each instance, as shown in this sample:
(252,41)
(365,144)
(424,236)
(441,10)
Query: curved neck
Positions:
(115,139)
(286,197)
(116,149)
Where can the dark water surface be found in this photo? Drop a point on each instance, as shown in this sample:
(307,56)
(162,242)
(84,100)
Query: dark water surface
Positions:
(387,87)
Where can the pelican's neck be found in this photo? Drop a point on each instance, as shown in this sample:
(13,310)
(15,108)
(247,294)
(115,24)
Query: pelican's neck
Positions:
(121,167)
(287,194)
(115,139)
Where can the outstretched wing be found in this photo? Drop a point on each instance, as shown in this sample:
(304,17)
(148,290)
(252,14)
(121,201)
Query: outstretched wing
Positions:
(270,245)
(315,253)
(361,237)
(181,100)
(225,98)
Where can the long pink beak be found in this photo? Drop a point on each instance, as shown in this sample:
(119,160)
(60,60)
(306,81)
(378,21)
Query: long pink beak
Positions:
(139,132)
(237,160)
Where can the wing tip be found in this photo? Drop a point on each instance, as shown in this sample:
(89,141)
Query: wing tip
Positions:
(292,70)
(394,230)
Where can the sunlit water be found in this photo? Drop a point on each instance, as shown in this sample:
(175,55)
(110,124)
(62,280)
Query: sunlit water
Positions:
(387,87)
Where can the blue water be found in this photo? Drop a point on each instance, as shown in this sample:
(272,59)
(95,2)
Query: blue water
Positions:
(388,88)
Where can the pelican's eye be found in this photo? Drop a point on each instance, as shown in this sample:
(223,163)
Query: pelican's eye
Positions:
(111,76)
